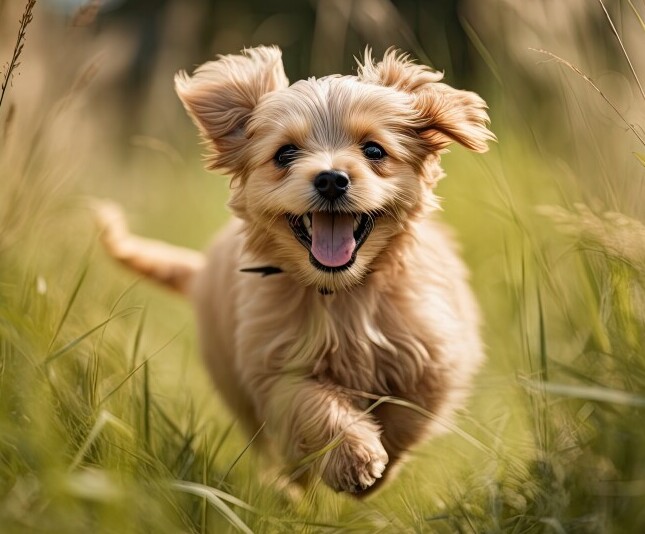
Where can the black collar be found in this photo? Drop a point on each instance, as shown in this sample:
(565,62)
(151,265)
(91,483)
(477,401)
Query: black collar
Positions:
(264,271)
(268,270)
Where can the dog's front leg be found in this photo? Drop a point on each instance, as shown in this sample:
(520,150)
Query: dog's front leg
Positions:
(308,417)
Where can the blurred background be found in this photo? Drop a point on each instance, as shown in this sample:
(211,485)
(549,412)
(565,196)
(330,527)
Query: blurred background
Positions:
(114,61)
(104,406)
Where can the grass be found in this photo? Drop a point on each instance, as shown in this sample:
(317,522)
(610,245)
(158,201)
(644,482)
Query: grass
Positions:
(108,422)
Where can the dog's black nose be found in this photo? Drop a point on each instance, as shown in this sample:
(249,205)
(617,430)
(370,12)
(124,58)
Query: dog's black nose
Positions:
(332,184)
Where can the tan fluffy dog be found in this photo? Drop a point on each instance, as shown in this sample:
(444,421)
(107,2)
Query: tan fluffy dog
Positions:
(332,191)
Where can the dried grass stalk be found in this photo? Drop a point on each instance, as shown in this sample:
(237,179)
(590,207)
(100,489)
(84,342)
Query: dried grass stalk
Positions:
(26,18)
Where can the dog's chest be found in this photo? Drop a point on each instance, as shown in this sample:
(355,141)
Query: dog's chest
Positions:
(371,352)
(359,343)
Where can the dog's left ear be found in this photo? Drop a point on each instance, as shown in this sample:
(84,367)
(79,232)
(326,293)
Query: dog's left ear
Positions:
(444,114)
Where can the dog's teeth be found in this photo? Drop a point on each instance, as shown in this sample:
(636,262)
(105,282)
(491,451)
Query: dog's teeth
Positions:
(307,222)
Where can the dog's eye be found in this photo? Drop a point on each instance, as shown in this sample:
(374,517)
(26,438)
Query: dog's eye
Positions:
(285,155)
(373,151)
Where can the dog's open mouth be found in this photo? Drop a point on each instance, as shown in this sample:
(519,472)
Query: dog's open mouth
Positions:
(332,239)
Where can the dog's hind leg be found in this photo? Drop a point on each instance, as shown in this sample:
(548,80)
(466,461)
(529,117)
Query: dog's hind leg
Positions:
(167,264)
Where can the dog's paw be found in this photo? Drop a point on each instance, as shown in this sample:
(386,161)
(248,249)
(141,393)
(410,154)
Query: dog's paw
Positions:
(356,463)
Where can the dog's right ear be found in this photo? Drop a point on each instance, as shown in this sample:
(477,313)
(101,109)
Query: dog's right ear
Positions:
(221,95)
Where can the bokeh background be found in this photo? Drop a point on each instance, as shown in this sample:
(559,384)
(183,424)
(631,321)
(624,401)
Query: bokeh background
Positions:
(107,420)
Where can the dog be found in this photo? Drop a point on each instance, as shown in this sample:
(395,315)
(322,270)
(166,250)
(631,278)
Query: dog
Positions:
(333,309)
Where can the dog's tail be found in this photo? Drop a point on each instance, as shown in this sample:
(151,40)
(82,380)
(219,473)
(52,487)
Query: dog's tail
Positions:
(167,264)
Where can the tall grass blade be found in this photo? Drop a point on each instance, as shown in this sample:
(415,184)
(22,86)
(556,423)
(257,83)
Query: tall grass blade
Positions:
(481,48)
(544,369)
(185,458)
(595,87)
(239,456)
(137,338)
(638,15)
(478,444)
(70,302)
(142,364)
(92,378)
(146,405)
(206,464)
(69,346)
(622,46)
(613,396)
(104,418)
(216,498)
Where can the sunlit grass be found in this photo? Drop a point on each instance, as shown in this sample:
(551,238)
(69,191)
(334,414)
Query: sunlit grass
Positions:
(108,422)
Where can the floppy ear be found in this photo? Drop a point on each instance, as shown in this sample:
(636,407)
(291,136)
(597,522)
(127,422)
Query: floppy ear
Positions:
(453,115)
(444,114)
(221,95)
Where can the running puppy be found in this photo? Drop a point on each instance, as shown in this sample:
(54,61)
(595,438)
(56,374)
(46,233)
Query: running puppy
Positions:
(332,191)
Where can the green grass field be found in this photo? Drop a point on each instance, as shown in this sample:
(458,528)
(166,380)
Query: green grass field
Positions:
(108,422)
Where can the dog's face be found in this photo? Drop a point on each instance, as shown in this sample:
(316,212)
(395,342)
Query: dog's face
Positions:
(327,172)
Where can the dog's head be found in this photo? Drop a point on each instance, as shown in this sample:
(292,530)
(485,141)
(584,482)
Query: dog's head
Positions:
(328,172)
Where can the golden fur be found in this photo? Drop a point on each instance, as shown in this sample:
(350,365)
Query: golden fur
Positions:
(307,351)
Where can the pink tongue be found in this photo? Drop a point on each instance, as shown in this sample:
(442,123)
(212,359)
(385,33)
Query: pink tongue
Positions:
(332,238)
